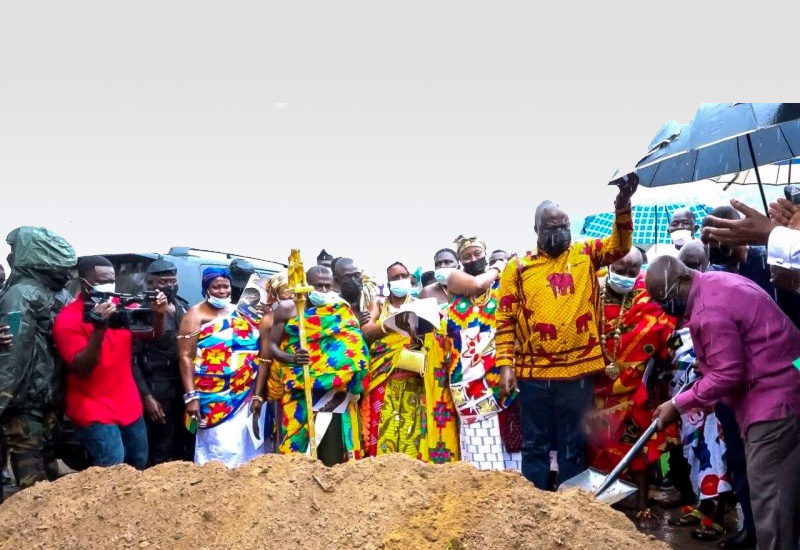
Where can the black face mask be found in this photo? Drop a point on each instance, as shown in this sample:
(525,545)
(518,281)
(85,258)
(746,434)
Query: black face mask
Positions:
(675,307)
(475,267)
(719,255)
(171,292)
(351,289)
(555,242)
(56,279)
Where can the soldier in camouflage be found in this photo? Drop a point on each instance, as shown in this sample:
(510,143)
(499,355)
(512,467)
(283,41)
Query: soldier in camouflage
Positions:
(31,387)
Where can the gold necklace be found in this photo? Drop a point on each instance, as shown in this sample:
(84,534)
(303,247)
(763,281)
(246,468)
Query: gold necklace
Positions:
(612,369)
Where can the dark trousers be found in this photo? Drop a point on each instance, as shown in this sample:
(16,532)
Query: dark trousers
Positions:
(737,462)
(773,467)
(109,444)
(171,440)
(553,410)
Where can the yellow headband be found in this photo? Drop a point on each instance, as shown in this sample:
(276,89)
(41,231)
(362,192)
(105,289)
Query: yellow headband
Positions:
(467,242)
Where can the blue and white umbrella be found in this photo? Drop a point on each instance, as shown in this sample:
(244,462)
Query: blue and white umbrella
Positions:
(650,221)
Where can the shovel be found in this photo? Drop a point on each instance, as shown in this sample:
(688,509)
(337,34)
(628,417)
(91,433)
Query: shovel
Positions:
(607,488)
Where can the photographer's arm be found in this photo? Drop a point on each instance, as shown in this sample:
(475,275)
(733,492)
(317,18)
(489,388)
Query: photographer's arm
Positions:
(86,360)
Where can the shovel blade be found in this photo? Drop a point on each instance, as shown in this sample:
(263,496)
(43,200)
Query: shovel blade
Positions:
(591,479)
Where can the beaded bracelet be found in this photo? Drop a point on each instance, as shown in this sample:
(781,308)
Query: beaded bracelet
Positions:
(190,396)
(258,398)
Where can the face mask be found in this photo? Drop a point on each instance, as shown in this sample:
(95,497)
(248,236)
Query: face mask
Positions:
(171,292)
(351,289)
(414,291)
(57,279)
(318,299)
(475,267)
(676,307)
(400,288)
(555,242)
(108,288)
(218,303)
(719,255)
(680,237)
(619,283)
(442,274)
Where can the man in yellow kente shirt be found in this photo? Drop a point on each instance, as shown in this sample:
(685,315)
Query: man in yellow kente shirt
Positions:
(548,343)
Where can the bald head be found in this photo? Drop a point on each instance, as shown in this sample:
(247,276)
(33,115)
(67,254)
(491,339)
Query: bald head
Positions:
(630,265)
(668,283)
(548,207)
(683,219)
(694,256)
(725,212)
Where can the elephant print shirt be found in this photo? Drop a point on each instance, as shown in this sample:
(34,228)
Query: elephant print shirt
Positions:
(547,313)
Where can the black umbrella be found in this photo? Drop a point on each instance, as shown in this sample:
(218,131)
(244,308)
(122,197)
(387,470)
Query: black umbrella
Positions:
(722,138)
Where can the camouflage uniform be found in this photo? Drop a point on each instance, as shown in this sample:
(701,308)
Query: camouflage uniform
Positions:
(31,374)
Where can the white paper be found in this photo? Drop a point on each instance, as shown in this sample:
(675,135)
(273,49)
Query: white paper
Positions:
(426,309)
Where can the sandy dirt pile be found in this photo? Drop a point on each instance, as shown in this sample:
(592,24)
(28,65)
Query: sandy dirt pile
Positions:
(391,503)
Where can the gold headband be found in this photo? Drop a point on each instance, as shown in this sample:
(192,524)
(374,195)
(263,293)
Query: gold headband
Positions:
(466,242)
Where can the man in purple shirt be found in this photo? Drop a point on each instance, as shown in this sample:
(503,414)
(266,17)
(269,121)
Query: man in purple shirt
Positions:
(746,349)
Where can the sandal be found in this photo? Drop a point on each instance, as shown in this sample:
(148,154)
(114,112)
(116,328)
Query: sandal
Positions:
(709,531)
(691,516)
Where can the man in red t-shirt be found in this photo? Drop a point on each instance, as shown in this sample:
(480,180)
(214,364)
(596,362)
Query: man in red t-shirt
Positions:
(102,399)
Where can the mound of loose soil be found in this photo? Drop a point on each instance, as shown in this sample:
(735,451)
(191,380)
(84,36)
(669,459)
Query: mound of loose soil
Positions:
(285,502)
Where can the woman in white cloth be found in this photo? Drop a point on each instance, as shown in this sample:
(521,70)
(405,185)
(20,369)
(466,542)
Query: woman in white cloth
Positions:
(219,346)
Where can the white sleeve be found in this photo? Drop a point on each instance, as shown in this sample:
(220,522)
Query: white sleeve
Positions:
(783,248)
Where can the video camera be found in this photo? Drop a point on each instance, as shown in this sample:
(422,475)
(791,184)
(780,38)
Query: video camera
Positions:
(134,312)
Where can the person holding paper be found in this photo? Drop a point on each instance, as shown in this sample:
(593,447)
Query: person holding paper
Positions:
(394,408)
(338,361)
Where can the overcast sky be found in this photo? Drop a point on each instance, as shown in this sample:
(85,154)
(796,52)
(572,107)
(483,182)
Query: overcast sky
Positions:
(375,132)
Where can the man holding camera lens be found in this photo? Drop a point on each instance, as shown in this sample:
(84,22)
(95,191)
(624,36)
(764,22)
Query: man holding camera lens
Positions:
(95,342)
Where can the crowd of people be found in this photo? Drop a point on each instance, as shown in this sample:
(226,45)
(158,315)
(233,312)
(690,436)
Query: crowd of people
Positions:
(571,349)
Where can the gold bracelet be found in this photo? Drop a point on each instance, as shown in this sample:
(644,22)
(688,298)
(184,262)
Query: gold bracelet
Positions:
(263,361)
(258,398)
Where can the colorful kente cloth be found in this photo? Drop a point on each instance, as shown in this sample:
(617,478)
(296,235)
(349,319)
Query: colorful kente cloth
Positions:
(547,315)
(339,361)
(389,430)
(440,427)
(621,412)
(474,376)
(402,415)
(701,433)
(225,367)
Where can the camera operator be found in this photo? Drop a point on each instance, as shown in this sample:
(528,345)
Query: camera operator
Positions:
(158,376)
(102,399)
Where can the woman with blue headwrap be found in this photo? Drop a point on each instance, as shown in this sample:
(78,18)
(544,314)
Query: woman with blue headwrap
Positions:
(219,361)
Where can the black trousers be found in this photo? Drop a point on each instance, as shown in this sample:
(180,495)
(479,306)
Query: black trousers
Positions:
(171,440)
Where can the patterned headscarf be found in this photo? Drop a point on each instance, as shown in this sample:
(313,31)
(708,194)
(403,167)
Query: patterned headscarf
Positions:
(466,242)
(211,273)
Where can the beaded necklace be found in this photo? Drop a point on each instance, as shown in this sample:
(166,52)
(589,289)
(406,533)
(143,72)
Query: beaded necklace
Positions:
(612,369)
